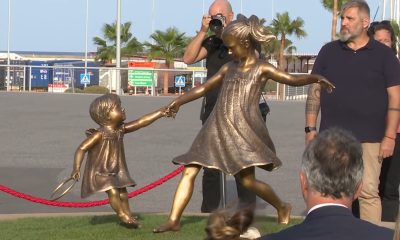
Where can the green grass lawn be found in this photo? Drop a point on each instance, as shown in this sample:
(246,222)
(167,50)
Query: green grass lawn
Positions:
(107,227)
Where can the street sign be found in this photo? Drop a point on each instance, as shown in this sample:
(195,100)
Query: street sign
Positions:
(200,74)
(140,78)
(85,78)
(180,81)
(141,64)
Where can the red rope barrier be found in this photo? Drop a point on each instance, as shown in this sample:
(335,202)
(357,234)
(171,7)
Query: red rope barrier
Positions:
(92,203)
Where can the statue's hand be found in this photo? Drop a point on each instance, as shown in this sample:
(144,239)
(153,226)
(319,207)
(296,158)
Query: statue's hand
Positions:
(172,110)
(163,111)
(326,84)
(76,175)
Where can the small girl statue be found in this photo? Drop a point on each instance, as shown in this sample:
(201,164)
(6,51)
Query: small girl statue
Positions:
(106,169)
(234,138)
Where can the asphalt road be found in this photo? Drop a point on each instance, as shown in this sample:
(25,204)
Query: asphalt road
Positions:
(39,133)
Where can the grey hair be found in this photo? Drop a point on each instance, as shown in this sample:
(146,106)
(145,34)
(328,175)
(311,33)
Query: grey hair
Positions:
(333,163)
(244,28)
(101,107)
(362,6)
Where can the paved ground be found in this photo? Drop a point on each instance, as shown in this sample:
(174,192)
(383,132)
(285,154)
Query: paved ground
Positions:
(39,133)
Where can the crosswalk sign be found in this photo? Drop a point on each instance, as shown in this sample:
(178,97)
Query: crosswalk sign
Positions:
(180,81)
(85,78)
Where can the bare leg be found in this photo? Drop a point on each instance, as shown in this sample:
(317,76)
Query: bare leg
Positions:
(117,206)
(265,192)
(115,202)
(181,199)
(123,194)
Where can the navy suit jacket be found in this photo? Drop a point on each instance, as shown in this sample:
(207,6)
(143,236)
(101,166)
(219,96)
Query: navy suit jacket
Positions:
(333,223)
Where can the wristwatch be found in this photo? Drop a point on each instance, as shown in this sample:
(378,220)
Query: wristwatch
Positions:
(309,129)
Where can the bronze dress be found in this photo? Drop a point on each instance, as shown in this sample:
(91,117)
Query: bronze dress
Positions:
(105,166)
(234,136)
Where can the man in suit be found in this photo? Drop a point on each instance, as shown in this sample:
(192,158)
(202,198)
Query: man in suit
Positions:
(331,178)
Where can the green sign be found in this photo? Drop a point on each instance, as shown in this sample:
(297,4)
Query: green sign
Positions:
(140,78)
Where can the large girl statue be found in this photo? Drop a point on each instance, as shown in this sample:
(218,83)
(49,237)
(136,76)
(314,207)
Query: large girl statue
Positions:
(235,139)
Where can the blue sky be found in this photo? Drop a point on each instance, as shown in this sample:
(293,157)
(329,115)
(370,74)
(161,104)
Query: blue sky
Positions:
(59,25)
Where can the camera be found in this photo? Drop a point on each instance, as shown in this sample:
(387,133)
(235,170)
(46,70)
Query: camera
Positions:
(216,22)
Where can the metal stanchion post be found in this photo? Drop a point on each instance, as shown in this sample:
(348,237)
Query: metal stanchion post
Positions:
(223,190)
(30,78)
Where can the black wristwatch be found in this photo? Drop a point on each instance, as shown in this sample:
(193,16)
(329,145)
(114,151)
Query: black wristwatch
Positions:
(309,129)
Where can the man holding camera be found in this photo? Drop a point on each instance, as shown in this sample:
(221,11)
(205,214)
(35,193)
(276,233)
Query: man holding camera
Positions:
(216,54)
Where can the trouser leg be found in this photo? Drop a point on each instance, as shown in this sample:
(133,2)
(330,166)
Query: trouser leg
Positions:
(390,185)
(355,208)
(369,200)
(211,190)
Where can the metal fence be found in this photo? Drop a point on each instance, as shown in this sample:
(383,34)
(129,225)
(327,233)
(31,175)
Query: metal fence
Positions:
(58,77)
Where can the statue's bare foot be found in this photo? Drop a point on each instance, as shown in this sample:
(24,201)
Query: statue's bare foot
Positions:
(284,213)
(129,222)
(168,226)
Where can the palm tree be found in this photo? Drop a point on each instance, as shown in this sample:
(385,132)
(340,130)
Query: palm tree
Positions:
(396,30)
(169,45)
(106,50)
(281,27)
(271,49)
(333,6)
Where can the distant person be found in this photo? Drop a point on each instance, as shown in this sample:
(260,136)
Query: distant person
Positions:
(106,169)
(213,50)
(366,101)
(235,138)
(390,171)
(330,179)
(383,32)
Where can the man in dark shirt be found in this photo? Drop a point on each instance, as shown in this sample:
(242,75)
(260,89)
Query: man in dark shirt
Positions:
(216,54)
(366,100)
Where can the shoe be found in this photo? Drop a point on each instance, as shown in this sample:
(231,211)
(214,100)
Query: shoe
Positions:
(251,233)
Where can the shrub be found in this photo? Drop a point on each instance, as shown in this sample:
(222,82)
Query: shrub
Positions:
(77,90)
(91,89)
(96,89)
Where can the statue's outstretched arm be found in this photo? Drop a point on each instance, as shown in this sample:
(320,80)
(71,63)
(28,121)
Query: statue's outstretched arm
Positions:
(295,80)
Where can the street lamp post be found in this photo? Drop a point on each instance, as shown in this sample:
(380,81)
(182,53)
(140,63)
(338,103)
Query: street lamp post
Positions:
(384,10)
(118,57)
(86,36)
(153,15)
(8,45)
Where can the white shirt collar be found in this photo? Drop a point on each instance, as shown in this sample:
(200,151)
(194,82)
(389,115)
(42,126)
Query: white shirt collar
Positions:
(324,205)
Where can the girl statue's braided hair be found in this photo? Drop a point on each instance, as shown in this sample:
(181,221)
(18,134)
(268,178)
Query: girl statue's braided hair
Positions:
(252,28)
(221,227)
